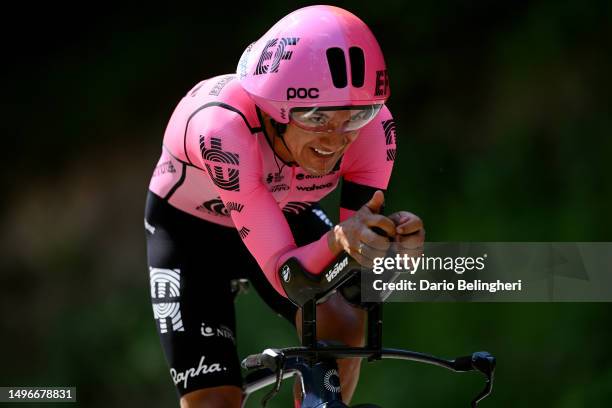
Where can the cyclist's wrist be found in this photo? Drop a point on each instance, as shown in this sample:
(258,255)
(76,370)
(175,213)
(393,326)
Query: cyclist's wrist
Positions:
(332,241)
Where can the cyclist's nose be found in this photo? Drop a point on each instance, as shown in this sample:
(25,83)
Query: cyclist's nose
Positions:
(333,140)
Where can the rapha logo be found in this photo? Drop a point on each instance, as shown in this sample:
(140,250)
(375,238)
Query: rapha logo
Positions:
(281,53)
(221,331)
(337,269)
(184,376)
(279,187)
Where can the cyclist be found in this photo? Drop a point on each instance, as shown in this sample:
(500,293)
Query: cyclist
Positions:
(246,157)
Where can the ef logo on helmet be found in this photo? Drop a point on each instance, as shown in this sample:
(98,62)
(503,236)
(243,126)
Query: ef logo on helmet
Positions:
(302,93)
(281,53)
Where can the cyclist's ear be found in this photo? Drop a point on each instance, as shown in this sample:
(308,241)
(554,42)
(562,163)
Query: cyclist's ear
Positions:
(377,202)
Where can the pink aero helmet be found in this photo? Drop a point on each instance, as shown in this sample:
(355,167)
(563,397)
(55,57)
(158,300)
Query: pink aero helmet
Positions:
(316,56)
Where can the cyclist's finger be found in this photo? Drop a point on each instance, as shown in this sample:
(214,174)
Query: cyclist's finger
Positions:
(382,222)
(375,240)
(410,226)
(376,202)
(413,240)
(400,217)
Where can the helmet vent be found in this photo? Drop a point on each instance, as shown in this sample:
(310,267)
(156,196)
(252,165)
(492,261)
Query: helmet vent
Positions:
(337,66)
(357,66)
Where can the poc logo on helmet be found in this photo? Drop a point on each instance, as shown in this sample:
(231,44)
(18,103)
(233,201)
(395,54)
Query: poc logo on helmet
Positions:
(302,93)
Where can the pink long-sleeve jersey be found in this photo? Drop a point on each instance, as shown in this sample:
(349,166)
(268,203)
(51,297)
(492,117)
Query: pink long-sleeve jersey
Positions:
(217,164)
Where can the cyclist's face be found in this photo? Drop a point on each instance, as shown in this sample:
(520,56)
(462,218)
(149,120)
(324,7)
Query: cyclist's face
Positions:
(318,152)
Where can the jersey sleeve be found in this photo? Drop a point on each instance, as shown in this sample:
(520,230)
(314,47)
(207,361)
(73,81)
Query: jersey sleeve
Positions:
(229,152)
(368,163)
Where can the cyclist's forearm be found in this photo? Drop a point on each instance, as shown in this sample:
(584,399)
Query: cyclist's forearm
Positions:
(313,257)
(333,242)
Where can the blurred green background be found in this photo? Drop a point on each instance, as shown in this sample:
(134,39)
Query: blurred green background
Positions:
(502,111)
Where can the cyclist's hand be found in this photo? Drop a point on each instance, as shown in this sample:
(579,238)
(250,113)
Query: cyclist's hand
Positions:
(356,237)
(409,233)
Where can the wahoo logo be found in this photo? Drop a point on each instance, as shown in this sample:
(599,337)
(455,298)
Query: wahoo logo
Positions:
(314,187)
(281,54)
(336,270)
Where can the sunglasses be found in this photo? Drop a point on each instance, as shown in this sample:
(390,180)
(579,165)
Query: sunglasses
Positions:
(333,119)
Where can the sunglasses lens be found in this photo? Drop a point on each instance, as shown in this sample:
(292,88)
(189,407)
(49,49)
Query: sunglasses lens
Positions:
(349,119)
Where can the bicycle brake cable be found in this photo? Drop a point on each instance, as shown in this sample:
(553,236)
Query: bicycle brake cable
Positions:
(280,364)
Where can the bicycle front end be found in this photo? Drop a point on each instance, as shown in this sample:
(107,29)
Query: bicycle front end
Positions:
(315,361)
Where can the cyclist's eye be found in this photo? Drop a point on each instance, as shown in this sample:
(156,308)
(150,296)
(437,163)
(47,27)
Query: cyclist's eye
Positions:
(360,115)
(317,119)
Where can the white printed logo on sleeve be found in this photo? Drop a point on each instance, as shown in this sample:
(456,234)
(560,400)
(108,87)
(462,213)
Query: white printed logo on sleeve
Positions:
(184,376)
(165,294)
(220,331)
(323,217)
